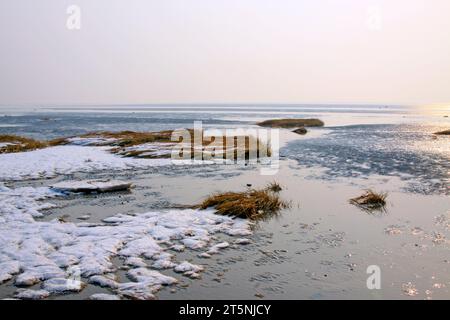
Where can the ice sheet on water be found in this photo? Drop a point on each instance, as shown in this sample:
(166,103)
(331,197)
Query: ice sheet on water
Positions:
(92,186)
(405,151)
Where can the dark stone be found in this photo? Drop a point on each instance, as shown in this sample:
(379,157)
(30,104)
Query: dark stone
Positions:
(301,130)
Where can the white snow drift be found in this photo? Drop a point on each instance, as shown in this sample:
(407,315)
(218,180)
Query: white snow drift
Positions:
(49,162)
(47,253)
(87,186)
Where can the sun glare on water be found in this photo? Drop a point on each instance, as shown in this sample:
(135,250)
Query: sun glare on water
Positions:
(436,109)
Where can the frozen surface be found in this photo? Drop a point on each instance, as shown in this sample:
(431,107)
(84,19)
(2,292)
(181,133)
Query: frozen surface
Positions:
(68,159)
(29,294)
(104,296)
(90,141)
(5,144)
(410,152)
(63,257)
(156,150)
(92,186)
(186,267)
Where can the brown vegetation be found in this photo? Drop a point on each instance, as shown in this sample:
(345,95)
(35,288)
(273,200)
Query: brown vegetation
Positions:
(122,143)
(252,204)
(370,200)
(20,144)
(443,133)
(121,138)
(129,139)
(274,187)
(291,123)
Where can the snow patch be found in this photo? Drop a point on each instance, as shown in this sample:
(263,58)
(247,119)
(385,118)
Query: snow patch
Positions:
(51,252)
(242,241)
(188,267)
(215,248)
(5,144)
(135,262)
(68,159)
(62,285)
(150,277)
(8,269)
(29,294)
(90,141)
(104,281)
(87,186)
(104,296)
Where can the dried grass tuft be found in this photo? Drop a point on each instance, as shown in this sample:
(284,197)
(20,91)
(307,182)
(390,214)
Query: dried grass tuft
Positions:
(370,200)
(443,133)
(20,144)
(274,187)
(237,148)
(252,204)
(291,123)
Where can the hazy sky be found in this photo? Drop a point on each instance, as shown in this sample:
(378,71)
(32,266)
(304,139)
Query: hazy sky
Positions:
(250,51)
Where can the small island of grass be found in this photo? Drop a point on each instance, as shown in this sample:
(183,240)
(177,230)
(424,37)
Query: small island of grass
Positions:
(291,123)
(443,133)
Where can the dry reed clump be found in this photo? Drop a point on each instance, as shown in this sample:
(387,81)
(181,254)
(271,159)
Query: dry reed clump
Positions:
(122,143)
(57,142)
(291,123)
(274,187)
(120,138)
(443,133)
(252,204)
(19,144)
(131,138)
(242,146)
(370,200)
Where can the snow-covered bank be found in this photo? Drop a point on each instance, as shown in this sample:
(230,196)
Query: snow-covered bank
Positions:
(68,159)
(87,186)
(51,253)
